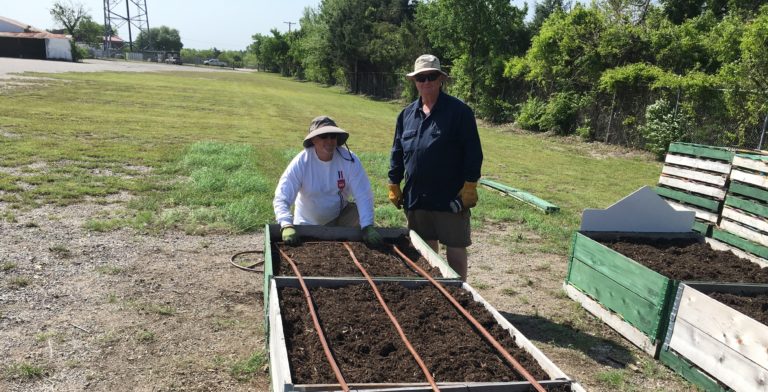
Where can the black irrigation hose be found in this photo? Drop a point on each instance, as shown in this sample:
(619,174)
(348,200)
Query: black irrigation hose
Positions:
(250,268)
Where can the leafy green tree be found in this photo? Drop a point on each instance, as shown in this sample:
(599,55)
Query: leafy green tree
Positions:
(160,38)
(541,11)
(476,36)
(312,49)
(271,51)
(89,32)
(68,14)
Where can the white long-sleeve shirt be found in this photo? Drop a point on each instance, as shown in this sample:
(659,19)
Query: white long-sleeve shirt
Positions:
(321,190)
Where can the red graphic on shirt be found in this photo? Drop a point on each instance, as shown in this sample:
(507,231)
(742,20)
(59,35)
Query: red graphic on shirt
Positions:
(340,183)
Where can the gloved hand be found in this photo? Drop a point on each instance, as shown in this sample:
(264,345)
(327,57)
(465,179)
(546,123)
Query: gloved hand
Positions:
(468,194)
(371,237)
(395,195)
(290,237)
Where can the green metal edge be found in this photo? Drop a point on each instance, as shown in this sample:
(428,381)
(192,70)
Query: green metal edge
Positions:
(526,197)
(690,372)
(748,190)
(741,243)
(628,273)
(639,312)
(705,228)
(703,202)
(756,157)
(747,205)
(699,150)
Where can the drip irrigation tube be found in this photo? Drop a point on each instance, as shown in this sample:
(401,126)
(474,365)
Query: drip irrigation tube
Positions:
(392,317)
(250,268)
(318,328)
(510,359)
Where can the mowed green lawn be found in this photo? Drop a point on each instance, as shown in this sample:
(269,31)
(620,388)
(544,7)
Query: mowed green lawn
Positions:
(203,152)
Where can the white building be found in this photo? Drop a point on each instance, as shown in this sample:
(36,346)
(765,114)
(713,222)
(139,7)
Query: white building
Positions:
(24,41)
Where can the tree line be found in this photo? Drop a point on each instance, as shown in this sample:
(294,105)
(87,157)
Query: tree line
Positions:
(627,72)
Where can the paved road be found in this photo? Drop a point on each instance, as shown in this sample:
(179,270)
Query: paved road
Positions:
(12,68)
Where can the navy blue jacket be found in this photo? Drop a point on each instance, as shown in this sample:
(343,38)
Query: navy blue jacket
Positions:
(435,154)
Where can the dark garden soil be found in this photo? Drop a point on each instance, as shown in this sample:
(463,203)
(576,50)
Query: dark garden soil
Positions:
(333,259)
(688,259)
(753,306)
(369,350)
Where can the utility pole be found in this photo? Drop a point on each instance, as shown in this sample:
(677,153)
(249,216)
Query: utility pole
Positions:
(289,25)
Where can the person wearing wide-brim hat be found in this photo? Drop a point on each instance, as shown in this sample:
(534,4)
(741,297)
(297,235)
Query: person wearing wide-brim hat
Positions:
(436,149)
(320,182)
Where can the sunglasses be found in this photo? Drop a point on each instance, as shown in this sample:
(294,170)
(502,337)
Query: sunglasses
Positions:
(328,135)
(421,78)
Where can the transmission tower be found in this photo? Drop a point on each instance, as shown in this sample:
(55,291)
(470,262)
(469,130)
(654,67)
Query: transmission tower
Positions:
(134,14)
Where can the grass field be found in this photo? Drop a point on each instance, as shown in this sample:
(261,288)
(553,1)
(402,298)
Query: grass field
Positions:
(204,152)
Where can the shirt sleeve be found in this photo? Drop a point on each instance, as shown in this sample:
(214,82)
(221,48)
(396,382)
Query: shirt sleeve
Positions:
(287,190)
(396,164)
(473,151)
(361,191)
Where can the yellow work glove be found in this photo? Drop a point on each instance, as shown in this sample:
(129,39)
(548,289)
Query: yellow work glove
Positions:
(468,194)
(395,195)
(290,236)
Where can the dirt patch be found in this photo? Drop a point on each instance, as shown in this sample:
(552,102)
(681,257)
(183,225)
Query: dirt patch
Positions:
(333,259)
(369,350)
(688,259)
(755,306)
(129,311)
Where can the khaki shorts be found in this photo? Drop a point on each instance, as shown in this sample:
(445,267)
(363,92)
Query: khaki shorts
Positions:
(348,217)
(448,228)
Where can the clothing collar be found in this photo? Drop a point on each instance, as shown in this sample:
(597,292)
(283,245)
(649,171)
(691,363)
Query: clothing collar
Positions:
(435,107)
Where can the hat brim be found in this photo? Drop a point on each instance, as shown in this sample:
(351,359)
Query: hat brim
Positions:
(423,70)
(340,140)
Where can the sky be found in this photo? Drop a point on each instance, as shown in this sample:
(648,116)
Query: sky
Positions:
(224,24)
(202,24)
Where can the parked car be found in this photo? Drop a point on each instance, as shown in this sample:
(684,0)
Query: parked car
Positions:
(173,60)
(215,62)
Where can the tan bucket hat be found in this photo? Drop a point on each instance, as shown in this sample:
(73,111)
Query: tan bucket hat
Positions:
(426,63)
(324,124)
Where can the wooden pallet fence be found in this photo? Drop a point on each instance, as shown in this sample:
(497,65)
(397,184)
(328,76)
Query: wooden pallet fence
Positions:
(695,178)
(630,297)
(713,345)
(744,218)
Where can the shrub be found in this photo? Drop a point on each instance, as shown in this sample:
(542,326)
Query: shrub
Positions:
(561,113)
(662,127)
(531,112)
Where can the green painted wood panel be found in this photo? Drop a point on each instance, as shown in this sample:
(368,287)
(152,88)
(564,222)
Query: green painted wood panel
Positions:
(699,150)
(638,278)
(741,243)
(747,205)
(690,372)
(748,190)
(702,227)
(703,202)
(635,310)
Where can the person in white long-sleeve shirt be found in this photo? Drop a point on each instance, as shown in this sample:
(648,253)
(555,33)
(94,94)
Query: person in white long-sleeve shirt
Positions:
(321,182)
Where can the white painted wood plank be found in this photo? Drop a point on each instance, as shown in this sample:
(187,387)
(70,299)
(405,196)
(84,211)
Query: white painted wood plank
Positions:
(718,360)
(642,211)
(718,245)
(743,232)
(749,178)
(691,186)
(279,367)
(714,179)
(701,214)
(696,163)
(432,258)
(742,334)
(751,164)
(634,335)
(552,370)
(737,215)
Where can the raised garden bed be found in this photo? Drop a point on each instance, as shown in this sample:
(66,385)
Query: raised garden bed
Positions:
(713,343)
(632,286)
(370,353)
